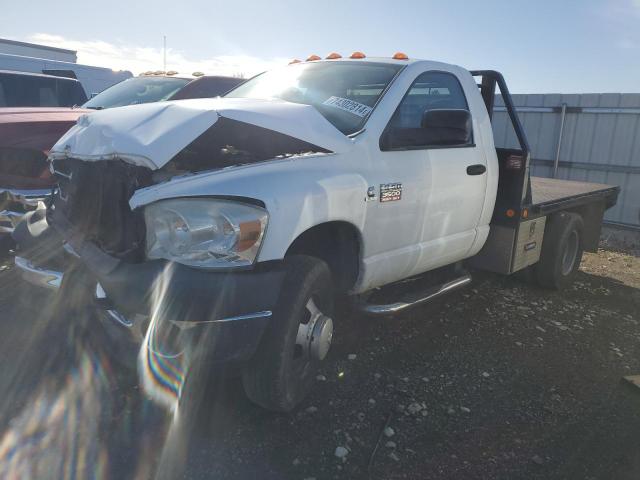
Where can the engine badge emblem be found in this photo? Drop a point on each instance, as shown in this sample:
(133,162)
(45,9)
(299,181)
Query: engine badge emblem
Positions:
(390,192)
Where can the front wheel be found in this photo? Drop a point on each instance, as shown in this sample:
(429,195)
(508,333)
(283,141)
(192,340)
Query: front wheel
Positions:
(281,373)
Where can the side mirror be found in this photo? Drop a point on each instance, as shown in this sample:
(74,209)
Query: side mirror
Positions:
(448,127)
(439,128)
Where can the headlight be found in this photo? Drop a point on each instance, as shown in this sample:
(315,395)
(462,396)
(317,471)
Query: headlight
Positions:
(205,233)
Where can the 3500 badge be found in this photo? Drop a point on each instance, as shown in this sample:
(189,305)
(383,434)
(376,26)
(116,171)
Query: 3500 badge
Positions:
(390,192)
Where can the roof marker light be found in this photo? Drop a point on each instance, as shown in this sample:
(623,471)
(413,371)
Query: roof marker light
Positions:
(358,55)
(400,56)
(295,60)
(198,74)
(333,56)
(313,58)
(172,72)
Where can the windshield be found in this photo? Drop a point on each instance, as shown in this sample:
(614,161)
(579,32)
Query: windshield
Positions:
(137,90)
(343,92)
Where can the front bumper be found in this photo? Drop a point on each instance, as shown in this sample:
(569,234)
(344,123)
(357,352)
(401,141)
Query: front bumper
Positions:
(14,204)
(232,307)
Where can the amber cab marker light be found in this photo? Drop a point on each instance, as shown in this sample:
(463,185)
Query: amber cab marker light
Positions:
(511,213)
(400,56)
(333,56)
(525,213)
(295,60)
(313,58)
(357,55)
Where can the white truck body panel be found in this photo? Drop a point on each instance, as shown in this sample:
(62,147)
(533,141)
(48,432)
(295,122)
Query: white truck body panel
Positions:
(442,217)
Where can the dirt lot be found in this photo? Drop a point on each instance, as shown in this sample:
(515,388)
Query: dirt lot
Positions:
(497,381)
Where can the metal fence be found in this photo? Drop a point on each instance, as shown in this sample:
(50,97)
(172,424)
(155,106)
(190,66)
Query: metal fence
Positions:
(589,137)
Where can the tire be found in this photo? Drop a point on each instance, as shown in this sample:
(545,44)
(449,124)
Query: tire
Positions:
(562,249)
(281,373)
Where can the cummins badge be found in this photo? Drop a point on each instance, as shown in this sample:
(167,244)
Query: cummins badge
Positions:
(390,192)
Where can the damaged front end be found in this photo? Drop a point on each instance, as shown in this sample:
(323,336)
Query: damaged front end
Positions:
(150,285)
(91,226)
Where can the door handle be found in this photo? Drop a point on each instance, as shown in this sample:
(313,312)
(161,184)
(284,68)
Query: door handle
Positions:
(476,169)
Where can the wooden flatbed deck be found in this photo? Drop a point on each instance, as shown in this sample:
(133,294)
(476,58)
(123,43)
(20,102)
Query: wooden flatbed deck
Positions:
(549,194)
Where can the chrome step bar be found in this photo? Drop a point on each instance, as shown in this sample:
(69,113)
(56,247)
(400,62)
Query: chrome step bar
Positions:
(419,299)
(38,276)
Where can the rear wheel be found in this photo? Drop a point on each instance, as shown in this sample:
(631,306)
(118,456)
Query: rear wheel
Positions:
(561,251)
(297,339)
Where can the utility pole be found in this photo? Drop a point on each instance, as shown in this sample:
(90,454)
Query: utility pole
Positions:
(164,52)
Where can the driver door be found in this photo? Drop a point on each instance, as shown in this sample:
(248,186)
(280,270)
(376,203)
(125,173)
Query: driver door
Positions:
(448,179)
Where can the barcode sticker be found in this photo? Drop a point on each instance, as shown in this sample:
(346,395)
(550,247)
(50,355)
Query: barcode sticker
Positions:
(347,105)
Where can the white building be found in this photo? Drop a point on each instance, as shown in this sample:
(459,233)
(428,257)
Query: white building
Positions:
(34,58)
(23,49)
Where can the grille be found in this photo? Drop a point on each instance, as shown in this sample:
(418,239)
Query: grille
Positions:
(94,198)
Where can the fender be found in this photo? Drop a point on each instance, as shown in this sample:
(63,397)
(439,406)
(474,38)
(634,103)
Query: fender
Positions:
(299,193)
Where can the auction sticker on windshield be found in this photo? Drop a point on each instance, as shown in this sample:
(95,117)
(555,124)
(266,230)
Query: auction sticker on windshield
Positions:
(347,105)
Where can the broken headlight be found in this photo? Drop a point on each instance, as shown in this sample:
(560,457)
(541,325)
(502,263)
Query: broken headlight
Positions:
(205,233)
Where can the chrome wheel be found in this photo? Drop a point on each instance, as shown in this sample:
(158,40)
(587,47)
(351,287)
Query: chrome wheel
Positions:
(314,334)
(570,253)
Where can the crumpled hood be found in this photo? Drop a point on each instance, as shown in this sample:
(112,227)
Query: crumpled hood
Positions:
(152,134)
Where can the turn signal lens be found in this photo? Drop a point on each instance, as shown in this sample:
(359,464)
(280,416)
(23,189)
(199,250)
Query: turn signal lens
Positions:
(525,213)
(250,233)
(511,213)
(333,56)
(358,55)
(313,58)
(295,60)
(400,56)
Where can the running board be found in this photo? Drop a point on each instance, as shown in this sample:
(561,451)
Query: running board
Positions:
(411,301)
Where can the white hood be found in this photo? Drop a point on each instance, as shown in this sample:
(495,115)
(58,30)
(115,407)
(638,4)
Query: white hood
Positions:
(152,134)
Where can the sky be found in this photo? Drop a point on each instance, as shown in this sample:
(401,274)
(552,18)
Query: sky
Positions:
(542,46)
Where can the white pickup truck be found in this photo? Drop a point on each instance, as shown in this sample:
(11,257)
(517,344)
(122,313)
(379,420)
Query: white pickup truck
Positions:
(234,222)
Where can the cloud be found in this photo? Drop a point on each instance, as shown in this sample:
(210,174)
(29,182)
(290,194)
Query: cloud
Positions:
(137,59)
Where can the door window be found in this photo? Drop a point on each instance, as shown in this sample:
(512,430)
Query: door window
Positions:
(412,127)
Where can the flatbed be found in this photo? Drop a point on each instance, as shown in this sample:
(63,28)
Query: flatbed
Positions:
(552,194)
(524,203)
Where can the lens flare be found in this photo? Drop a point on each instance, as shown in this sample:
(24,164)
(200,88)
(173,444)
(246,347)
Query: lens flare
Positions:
(162,370)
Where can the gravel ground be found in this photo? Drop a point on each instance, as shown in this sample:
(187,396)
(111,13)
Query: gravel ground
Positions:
(500,380)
